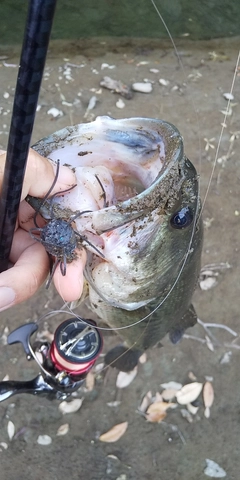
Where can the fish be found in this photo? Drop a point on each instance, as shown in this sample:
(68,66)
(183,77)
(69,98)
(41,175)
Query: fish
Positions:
(137,212)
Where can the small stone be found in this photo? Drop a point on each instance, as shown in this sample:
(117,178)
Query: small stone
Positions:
(120,103)
(55,112)
(70,407)
(228,96)
(173,385)
(213,470)
(10,430)
(44,440)
(6,95)
(143,87)
(164,82)
(208,283)
(4,445)
(63,430)
(226,358)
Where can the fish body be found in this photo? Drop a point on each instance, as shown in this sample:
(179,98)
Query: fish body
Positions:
(140,196)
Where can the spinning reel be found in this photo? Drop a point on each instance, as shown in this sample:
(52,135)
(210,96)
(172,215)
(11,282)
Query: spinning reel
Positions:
(63,364)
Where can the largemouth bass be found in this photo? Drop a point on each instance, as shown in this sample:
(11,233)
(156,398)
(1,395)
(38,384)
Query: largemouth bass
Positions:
(136,210)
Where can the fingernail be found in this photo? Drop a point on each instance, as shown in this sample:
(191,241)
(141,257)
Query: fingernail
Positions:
(7,297)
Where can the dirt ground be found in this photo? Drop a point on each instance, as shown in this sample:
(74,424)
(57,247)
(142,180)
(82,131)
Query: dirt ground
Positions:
(174,449)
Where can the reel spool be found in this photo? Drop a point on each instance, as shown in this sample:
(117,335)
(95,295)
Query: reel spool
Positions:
(76,346)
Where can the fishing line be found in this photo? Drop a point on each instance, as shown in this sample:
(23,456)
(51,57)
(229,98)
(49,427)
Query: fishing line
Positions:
(66,308)
(186,81)
(185,257)
(221,132)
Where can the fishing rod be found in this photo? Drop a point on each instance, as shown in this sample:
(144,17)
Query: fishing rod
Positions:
(76,345)
(34,51)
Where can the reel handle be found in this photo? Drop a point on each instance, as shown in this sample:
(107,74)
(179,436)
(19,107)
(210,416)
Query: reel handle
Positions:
(37,386)
(22,335)
(34,386)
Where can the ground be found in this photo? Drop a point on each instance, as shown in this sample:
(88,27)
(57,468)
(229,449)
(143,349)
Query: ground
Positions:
(193,101)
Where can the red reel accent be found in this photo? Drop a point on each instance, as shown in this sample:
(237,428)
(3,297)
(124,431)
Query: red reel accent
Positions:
(76,346)
(62,365)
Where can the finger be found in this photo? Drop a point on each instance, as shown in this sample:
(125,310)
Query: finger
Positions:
(26,215)
(40,175)
(29,272)
(70,286)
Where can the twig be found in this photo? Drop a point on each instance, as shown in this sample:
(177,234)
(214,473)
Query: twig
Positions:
(204,325)
(232,345)
(217,325)
(216,266)
(191,337)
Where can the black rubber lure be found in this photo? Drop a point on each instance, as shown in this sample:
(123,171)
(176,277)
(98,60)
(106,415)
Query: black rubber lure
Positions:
(58,236)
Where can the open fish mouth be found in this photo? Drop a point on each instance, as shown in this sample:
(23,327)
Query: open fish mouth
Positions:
(136,161)
(134,207)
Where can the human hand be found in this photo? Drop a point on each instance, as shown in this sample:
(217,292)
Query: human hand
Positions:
(29,258)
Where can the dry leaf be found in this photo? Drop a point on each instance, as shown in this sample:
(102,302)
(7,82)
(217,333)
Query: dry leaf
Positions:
(44,440)
(155,417)
(90,381)
(10,430)
(63,430)
(192,377)
(163,406)
(113,457)
(157,398)
(114,433)
(226,358)
(208,397)
(146,401)
(99,367)
(209,378)
(209,344)
(39,357)
(207,412)
(189,393)
(4,445)
(156,412)
(115,403)
(174,385)
(192,409)
(143,358)
(70,407)
(208,394)
(125,378)
(169,393)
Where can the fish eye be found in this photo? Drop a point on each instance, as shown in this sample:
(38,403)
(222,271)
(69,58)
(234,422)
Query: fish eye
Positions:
(182,219)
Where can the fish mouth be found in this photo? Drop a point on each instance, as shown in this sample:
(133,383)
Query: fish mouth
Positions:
(141,157)
(129,176)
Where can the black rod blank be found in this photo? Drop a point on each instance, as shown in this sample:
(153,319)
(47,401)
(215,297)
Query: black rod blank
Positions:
(32,61)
